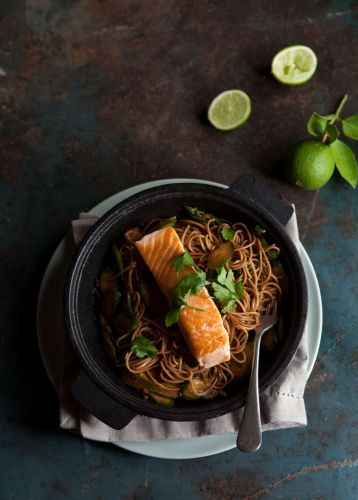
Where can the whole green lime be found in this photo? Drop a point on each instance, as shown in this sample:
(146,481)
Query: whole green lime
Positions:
(309,164)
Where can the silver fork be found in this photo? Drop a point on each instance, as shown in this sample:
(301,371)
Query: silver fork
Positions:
(250,433)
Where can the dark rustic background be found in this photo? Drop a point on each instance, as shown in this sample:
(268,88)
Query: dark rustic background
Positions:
(97,96)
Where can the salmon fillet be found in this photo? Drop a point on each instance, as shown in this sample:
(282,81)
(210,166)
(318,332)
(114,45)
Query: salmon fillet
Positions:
(203,331)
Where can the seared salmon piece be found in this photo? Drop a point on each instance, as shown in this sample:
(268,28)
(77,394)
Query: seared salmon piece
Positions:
(204,332)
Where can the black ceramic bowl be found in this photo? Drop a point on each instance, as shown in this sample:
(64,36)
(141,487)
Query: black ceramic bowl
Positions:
(97,386)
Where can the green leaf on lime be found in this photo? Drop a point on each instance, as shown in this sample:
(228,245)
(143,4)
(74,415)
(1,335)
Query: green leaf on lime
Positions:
(345,161)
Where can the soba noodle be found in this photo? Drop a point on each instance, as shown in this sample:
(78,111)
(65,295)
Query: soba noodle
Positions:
(172,365)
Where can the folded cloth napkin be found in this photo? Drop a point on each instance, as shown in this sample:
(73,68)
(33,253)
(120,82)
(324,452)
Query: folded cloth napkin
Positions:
(282,405)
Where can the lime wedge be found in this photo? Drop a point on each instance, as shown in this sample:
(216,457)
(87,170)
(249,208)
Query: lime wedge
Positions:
(294,65)
(229,110)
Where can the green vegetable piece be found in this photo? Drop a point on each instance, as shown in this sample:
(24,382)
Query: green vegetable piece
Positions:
(227,233)
(269,340)
(109,347)
(184,260)
(193,388)
(107,280)
(170,223)
(200,215)
(241,370)
(161,400)
(143,347)
(345,161)
(140,381)
(220,255)
(118,257)
(124,323)
(316,124)
(109,301)
(350,127)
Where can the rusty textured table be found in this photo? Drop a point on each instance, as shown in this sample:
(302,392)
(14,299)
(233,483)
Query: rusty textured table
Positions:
(96,96)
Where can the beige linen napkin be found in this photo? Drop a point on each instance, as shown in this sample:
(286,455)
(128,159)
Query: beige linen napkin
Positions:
(282,405)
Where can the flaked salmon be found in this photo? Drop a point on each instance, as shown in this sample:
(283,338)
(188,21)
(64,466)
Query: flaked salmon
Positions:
(203,329)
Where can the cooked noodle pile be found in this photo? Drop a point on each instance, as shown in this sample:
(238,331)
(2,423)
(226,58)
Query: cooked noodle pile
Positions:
(172,365)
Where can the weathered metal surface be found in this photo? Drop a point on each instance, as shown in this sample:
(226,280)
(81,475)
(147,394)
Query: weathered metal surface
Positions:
(96,96)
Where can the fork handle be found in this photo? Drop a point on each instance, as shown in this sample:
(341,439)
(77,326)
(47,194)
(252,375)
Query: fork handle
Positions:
(250,434)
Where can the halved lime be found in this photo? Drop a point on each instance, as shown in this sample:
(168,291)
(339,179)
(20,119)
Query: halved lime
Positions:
(229,110)
(294,65)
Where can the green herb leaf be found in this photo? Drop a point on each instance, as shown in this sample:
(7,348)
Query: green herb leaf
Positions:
(226,291)
(332,132)
(221,293)
(350,126)
(200,215)
(239,289)
(184,260)
(259,230)
(95,292)
(191,284)
(230,306)
(227,233)
(316,124)
(118,257)
(117,296)
(345,161)
(272,254)
(142,347)
(173,316)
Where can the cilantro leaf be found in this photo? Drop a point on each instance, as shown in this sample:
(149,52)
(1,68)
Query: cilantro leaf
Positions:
(142,347)
(259,230)
(230,306)
(226,291)
(173,316)
(272,254)
(221,293)
(184,260)
(239,289)
(191,283)
(227,233)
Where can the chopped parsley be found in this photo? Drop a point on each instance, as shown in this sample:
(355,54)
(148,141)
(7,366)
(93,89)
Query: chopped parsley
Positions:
(259,231)
(190,284)
(227,233)
(143,347)
(184,260)
(226,291)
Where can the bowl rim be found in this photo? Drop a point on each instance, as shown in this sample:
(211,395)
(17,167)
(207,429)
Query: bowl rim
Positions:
(72,320)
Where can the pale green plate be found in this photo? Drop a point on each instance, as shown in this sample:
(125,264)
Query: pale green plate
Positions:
(51,329)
